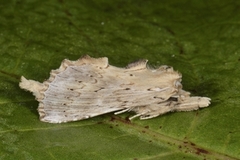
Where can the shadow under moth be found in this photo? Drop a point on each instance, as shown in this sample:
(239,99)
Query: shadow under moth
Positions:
(90,87)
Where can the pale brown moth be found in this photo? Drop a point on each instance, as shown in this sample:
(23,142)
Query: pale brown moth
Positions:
(90,87)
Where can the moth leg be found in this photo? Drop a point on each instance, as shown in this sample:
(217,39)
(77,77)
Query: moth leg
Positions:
(122,111)
(132,109)
(153,110)
(147,116)
(156,111)
(135,116)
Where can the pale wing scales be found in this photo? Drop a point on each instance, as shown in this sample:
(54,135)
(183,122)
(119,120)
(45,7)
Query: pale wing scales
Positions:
(90,87)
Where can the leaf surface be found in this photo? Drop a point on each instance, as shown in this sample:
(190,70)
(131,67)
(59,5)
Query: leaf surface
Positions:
(200,39)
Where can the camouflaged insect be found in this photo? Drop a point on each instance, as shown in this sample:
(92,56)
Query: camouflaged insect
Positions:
(90,87)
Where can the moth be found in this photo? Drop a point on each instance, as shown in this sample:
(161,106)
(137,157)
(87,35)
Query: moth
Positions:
(90,87)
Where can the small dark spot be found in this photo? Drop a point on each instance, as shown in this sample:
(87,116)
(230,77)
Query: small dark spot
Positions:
(179,146)
(99,89)
(125,101)
(116,125)
(199,150)
(130,74)
(112,119)
(173,99)
(143,131)
(65,115)
(170,31)
(127,88)
(111,127)
(64,104)
(15,130)
(91,76)
(150,141)
(146,127)
(181,50)
(68,13)
(185,142)
(159,98)
(127,119)
(160,127)
(193,144)
(64,111)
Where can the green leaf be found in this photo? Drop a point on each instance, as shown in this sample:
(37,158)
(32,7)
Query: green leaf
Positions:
(200,39)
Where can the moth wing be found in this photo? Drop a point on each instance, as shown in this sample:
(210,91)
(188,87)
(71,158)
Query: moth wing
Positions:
(90,87)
